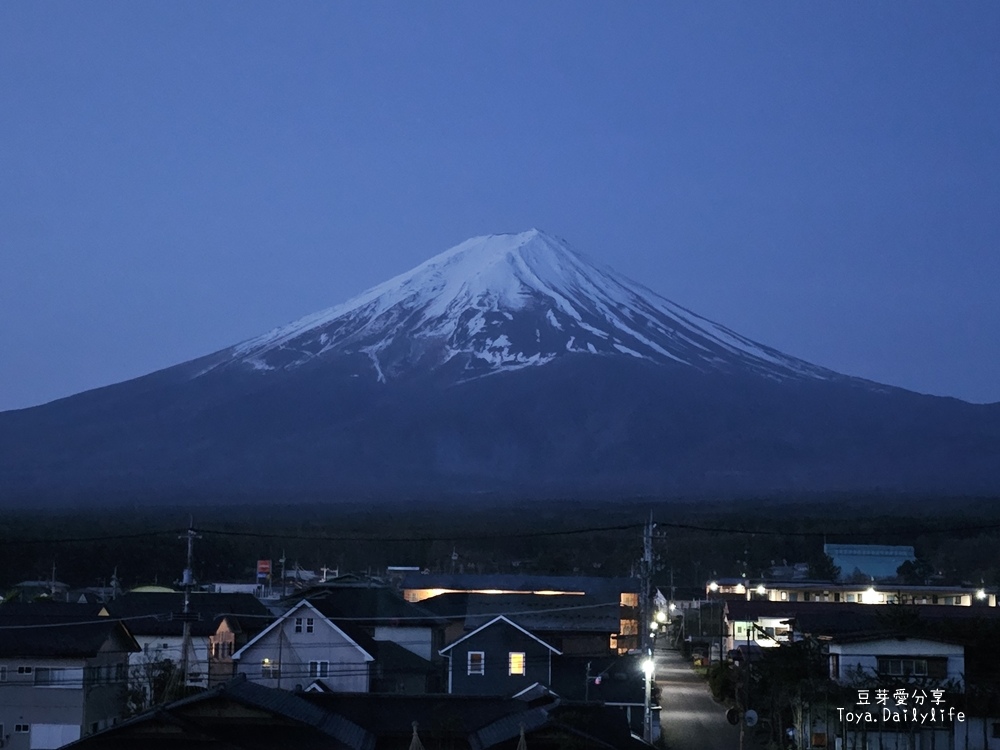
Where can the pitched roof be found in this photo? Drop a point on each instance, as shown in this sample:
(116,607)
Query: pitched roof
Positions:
(370,604)
(393,657)
(357,638)
(586,614)
(32,635)
(326,721)
(494,621)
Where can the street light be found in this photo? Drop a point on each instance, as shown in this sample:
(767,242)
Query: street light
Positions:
(647,725)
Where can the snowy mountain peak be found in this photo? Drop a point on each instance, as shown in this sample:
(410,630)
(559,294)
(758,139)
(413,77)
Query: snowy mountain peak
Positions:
(502,302)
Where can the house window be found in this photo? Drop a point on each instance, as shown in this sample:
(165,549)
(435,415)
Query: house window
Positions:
(477,662)
(516,662)
(834,666)
(22,728)
(3,678)
(996,730)
(298,624)
(902,667)
(269,669)
(46,676)
(309,624)
(25,670)
(319,669)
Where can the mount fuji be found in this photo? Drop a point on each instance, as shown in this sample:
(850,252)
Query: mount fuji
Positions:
(508,364)
(503,302)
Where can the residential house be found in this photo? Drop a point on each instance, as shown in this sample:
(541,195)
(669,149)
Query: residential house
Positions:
(498,658)
(625,591)
(303,645)
(406,637)
(62,674)
(896,658)
(583,625)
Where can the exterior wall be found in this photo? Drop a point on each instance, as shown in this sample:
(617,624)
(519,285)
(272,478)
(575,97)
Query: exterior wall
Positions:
(90,697)
(419,641)
(156,647)
(291,652)
(865,655)
(497,642)
(978,732)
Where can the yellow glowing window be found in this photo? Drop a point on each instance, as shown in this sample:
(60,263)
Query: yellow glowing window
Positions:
(517,662)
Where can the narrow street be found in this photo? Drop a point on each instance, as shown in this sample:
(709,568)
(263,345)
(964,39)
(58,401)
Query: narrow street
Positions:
(690,719)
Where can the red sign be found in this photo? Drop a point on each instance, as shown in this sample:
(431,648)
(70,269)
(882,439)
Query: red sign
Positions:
(263,568)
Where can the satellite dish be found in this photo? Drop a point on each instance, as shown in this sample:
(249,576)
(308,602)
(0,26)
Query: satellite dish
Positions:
(750,718)
(733,716)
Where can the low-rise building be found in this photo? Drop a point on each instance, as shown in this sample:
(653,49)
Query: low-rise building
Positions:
(62,675)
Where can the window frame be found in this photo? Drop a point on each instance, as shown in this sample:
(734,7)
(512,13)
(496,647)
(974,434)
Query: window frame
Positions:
(269,670)
(481,661)
(511,662)
(319,669)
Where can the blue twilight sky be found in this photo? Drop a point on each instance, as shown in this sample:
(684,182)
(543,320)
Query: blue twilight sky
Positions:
(176,177)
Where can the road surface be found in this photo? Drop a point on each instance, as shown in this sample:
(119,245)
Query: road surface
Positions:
(690,719)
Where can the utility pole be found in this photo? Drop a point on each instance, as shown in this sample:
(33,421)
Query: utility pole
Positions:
(284,593)
(645,624)
(187,581)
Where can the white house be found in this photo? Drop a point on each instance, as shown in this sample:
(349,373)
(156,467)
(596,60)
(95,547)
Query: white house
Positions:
(304,645)
(899,657)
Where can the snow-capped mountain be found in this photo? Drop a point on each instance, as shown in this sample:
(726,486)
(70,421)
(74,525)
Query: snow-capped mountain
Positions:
(596,385)
(503,302)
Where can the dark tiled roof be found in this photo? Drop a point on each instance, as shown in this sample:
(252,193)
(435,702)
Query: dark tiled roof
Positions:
(374,604)
(59,638)
(396,714)
(155,613)
(395,658)
(318,721)
(539,613)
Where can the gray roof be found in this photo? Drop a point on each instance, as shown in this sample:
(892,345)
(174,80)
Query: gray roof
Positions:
(538,613)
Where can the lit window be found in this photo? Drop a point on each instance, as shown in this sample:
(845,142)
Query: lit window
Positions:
(268,669)
(477,662)
(516,661)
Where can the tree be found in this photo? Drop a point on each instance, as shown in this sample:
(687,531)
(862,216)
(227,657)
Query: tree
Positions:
(823,569)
